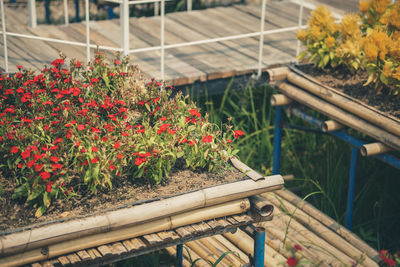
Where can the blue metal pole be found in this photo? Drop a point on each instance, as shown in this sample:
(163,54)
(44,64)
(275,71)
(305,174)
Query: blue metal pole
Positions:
(77,18)
(277,141)
(259,247)
(179,255)
(352,182)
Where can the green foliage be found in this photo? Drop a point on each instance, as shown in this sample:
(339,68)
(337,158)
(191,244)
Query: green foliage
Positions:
(68,127)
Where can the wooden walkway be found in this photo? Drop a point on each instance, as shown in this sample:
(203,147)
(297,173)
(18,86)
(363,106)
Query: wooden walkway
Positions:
(182,65)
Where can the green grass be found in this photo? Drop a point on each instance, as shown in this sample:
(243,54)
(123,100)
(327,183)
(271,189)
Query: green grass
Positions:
(319,162)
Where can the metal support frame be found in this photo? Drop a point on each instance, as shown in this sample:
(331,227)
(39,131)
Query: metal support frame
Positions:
(277,141)
(354,142)
(47,10)
(259,247)
(32,19)
(179,255)
(77,18)
(352,184)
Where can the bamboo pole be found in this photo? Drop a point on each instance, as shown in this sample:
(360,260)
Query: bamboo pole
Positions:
(261,209)
(318,228)
(280,100)
(246,169)
(202,251)
(330,126)
(347,103)
(246,243)
(374,149)
(136,215)
(277,74)
(320,255)
(191,256)
(340,115)
(215,248)
(172,252)
(226,243)
(167,223)
(328,222)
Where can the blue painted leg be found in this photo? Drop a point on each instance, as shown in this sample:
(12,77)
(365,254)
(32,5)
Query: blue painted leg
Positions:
(277,141)
(77,19)
(352,182)
(179,255)
(259,247)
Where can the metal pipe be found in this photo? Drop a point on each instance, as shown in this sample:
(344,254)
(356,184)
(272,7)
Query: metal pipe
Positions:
(162,40)
(3,26)
(59,41)
(87,31)
(213,40)
(299,24)
(352,183)
(66,17)
(32,19)
(386,158)
(261,41)
(277,141)
(259,247)
(179,255)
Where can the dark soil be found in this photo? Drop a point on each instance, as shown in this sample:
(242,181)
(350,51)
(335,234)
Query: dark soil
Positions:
(352,85)
(14,214)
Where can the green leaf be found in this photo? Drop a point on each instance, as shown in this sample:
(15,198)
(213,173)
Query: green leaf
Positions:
(46,199)
(325,60)
(20,191)
(88,176)
(180,154)
(383,79)
(355,65)
(40,211)
(36,192)
(370,79)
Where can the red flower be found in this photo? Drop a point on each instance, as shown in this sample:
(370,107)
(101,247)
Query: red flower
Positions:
(112,167)
(95,160)
(45,175)
(26,154)
(140,160)
(298,247)
(54,159)
(163,119)
(30,163)
(57,166)
(382,255)
(171,132)
(229,140)
(58,140)
(207,139)
(194,112)
(155,100)
(14,149)
(120,156)
(78,143)
(238,133)
(95,149)
(291,261)
(116,61)
(105,138)
(81,127)
(49,186)
(38,167)
(78,64)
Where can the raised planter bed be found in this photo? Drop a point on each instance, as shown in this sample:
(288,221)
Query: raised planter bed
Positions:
(51,239)
(337,105)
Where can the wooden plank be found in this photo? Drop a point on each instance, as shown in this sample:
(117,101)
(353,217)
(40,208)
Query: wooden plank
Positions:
(152,239)
(128,245)
(137,243)
(105,250)
(83,255)
(223,222)
(168,236)
(118,249)
(64,260)
(73,258)
(93,253)
(214,224)
(36,264)
(184,231)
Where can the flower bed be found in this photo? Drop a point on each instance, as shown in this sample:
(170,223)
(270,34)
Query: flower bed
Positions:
(77,131)
(363,49)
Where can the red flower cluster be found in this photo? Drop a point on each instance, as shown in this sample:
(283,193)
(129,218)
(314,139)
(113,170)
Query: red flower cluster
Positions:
(383,254)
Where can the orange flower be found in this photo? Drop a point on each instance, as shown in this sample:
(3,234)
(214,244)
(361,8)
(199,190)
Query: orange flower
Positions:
(364,5)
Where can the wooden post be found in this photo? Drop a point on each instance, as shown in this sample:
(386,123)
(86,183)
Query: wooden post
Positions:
(32,19)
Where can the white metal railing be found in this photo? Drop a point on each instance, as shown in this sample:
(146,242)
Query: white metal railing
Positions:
(124,25)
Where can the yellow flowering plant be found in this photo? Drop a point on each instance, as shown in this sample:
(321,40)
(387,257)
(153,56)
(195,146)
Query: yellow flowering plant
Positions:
(320,38)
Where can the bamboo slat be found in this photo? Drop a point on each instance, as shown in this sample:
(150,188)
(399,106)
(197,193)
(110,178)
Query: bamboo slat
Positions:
(231,247)
(328,222)
(339,115)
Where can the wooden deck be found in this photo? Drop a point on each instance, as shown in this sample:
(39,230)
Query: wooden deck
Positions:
(183,65)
